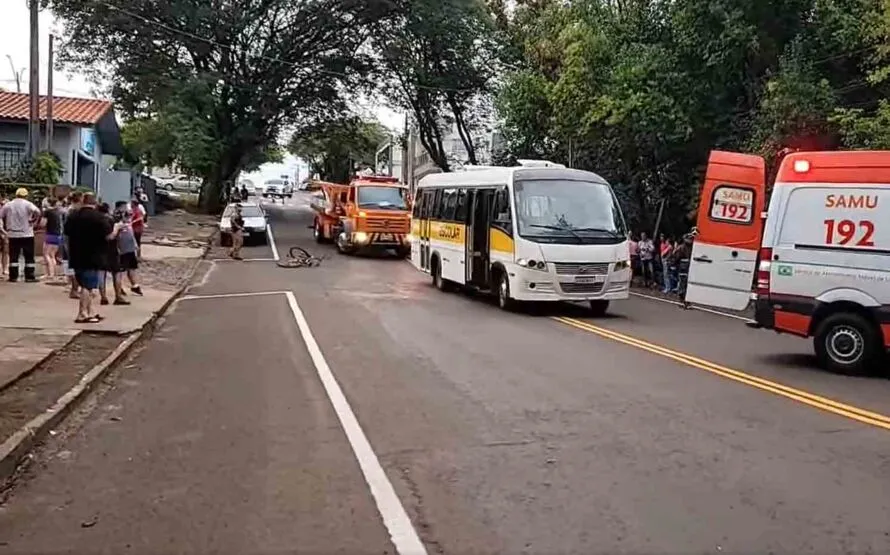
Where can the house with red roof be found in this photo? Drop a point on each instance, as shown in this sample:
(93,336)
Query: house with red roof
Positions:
(86,135)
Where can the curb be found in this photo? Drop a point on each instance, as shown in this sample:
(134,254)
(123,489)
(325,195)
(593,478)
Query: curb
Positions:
(19,445)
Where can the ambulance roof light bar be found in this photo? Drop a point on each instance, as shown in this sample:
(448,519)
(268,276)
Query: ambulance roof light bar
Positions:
(801,166)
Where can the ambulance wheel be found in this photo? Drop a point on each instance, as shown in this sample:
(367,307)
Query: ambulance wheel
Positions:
(599,307)
(847,343)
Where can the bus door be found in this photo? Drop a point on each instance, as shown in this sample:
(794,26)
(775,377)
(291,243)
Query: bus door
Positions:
(730,229)
(478,257)
(426,206)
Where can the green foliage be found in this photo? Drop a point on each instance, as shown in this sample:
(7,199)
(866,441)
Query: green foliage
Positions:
(44,168)
(335,149)
(437,59)
(641,91)
(212,85)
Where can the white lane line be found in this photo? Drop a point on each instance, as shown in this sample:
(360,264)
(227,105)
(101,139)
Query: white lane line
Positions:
(396,520)
(244,260)
(272,242)
(693,307)
(230,295)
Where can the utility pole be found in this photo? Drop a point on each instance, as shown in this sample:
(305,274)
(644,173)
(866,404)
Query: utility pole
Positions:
(17,73)
(34,83)
(49,96)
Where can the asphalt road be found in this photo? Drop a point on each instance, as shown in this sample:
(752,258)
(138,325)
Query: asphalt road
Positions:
(654,430)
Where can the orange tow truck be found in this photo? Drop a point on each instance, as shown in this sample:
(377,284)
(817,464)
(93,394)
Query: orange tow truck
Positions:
(372,212)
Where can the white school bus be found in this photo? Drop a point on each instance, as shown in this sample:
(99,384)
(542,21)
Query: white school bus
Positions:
(536,232)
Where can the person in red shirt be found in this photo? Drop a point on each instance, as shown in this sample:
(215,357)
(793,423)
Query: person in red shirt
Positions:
(138,223)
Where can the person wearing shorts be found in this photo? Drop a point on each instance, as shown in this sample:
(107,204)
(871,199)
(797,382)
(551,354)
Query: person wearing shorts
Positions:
(52,215)
(129,253)
(88,233)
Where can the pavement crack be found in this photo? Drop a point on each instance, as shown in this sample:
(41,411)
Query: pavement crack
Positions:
(421,521)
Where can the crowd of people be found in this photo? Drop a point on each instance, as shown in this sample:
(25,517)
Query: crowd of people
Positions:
(86,245)
(661,263)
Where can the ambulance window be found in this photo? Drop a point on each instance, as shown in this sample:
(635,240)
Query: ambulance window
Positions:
(461,214)
(732,204)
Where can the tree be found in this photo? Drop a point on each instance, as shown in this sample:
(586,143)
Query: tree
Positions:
(333,149)
(224,77)
(438,59)
(641,90)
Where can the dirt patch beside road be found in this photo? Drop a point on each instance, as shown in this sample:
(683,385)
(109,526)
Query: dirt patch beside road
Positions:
(37,392)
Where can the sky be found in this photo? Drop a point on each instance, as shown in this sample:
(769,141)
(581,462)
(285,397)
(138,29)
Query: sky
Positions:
(14,42)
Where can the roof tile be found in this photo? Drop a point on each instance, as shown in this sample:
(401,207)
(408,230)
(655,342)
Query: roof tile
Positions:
(83,111)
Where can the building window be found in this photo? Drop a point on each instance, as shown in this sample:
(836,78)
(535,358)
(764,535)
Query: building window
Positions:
(11,155)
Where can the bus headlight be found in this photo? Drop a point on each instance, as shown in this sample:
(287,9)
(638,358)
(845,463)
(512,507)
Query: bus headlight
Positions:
(532,264)
(622,265)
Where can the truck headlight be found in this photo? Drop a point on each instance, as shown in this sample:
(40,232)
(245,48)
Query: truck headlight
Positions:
(360,237)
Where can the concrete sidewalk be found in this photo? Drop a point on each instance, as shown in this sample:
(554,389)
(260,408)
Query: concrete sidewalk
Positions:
(37,319)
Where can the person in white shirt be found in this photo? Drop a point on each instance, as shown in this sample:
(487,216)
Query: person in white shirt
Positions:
(18,218)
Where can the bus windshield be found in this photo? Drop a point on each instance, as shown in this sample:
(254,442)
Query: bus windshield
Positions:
(557,210)
(392,198)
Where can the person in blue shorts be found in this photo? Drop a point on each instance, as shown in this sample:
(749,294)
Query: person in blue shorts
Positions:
(88,233)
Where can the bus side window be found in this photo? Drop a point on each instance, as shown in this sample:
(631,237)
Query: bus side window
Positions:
(502,217)
(416,207)
(460,214)
(436,205)
(449,204)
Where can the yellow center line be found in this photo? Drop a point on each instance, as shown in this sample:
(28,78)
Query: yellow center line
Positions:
(816,401)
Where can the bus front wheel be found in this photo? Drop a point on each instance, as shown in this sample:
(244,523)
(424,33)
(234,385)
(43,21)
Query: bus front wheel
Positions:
(505,302)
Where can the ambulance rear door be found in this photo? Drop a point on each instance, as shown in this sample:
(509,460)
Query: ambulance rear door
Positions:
(730,229)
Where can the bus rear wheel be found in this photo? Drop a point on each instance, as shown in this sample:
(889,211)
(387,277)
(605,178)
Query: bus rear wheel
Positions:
(847,343)
(440,282)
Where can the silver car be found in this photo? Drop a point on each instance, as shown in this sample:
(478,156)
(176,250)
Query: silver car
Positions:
(254,224)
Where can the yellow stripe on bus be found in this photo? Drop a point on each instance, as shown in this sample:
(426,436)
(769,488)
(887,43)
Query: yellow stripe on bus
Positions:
(499,241)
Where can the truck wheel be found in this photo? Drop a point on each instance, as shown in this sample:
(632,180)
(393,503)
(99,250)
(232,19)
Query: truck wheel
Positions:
(599,307)
(847,343)
(318,232)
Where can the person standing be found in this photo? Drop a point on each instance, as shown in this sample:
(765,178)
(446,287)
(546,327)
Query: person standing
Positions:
(244,193)
(139,217)
(237,222)
(647,258)
(88,232)
(18,218)
(111,267)
(4,241)
(75,201)
(53,239)
(127,247)
(634,248)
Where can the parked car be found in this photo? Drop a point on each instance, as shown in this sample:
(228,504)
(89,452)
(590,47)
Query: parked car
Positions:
(182,183)
(277,188)
(254,224)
